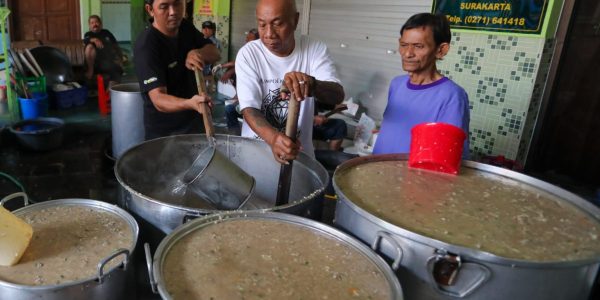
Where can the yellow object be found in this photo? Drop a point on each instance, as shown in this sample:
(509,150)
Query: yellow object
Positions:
(15,235)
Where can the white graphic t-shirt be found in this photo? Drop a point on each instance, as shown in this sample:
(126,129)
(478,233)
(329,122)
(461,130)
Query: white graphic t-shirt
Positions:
(260,75)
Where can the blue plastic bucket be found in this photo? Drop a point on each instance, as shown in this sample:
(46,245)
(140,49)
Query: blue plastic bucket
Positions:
(34,107)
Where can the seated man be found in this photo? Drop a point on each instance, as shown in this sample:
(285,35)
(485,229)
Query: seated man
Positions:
(330,130)
(231,111)
(423,95)
(102,52)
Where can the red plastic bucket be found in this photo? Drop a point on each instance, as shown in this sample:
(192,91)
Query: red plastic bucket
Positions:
(436,147)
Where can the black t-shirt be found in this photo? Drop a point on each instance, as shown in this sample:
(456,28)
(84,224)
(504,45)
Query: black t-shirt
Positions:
(109,51)
(160,61)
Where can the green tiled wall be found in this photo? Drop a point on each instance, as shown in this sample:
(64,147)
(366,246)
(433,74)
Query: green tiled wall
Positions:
(499,73)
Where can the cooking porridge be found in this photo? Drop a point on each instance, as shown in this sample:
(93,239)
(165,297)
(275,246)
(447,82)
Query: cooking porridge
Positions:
(266,259)
(479,210)
(68,242)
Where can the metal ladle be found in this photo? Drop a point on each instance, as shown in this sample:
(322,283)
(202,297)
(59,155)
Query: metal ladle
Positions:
(212,176)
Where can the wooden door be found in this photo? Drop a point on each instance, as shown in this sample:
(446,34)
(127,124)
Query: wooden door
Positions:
(569,143)
(47,20)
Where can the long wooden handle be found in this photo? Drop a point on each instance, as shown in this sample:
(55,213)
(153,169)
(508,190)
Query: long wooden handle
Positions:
(285,172)
(207,115)
(335,111)
(291,125)
(34,61)
(17,62)
(28,65)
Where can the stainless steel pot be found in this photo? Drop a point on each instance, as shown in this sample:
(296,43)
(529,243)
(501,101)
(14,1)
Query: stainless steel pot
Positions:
(149,171)
(107,284)
(479,275)
(127,117)
(156,265)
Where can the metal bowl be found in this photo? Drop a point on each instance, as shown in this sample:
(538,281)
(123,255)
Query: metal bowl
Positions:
(40,134)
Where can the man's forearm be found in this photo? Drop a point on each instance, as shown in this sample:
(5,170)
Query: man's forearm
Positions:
(329,92)
(164,102)
(259,124)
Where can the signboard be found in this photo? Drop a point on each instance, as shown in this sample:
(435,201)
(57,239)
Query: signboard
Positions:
(515,16)
(205,7)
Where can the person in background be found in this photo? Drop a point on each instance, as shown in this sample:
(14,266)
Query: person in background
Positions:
(423,95)
(251,35)
(332,131)
(278,61)
(208,29)
(166,54)
(231,111)
(102,52)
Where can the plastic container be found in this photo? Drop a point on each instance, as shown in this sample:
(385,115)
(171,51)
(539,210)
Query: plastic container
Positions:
(34,84)
(34,107)
(436,147)
(69,98)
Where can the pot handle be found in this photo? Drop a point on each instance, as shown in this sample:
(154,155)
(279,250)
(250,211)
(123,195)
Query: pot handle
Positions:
(104,261)
(15,195)
(443,270)
(150,268)
(190,216)
(388,237)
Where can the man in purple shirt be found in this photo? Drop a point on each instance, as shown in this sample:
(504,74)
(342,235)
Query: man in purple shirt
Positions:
(423,95)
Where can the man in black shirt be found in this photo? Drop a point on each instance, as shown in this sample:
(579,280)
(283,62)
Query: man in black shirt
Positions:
(165,55)
(102,52)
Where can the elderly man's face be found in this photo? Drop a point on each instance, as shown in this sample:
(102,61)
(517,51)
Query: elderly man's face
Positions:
(277,21)
(167,15)
(95,24)
(418,50)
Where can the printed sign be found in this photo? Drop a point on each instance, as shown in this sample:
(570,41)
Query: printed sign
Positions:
(518,16)
(205,7)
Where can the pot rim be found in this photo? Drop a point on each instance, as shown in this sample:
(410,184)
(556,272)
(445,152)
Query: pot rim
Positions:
(303,157)
(467,252)
(197,224)
(111,208)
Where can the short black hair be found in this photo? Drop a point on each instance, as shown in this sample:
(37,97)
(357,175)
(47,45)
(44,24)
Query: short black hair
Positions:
(149,2)
(209,24)
(97,17)
(438,23)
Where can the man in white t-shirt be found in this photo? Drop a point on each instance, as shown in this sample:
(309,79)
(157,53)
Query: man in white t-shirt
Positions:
(277,60)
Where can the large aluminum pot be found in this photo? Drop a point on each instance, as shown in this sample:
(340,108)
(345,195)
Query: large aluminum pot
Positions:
(147,173)
(127,117)
(108,283)
(157,265)
(480,275)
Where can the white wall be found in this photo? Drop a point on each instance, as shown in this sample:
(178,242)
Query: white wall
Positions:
(362,37)
(116,17)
